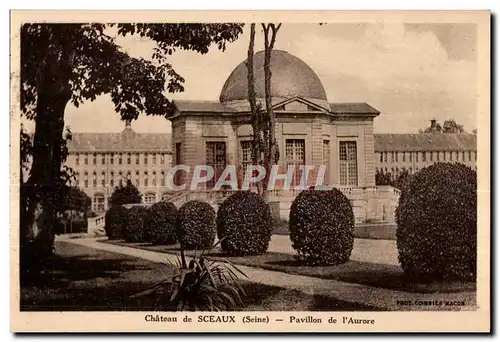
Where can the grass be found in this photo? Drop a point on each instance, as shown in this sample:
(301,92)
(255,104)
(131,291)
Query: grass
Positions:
(85,279)
(364,273)
(376,231)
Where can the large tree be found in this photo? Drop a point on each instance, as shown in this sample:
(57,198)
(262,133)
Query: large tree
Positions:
(125,194)
(74,63)
(264,146)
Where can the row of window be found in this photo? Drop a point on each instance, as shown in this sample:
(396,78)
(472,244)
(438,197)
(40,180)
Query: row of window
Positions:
(98,201)
(392,157)
(397,170)
(215,154)
(118,158)
(114,179)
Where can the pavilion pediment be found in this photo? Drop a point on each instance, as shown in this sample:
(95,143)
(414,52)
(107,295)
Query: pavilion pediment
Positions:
(298,104)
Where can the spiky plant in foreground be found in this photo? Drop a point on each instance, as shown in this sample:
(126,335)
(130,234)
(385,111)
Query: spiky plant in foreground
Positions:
(198,285)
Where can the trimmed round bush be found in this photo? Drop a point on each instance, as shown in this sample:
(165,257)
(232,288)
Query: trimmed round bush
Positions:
(437,223)
(322,227)
(133,229)
(113,222)
(245,223)
(196,225)
(160,226)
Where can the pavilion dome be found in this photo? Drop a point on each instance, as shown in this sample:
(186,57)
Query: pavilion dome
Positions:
(290,77)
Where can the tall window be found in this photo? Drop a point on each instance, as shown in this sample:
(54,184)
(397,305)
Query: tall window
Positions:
(86,159)
(137,178)
(94,159)
(246,155)
(146,181)
(437,155)
(120,159)
(153,157)
(178,176)
(424,156)
(396,156)
(129,158)
(416,156)
(470,155)
(326,160)
(385,157)
(137,158)
(111,158)
(411,157)
(475,156)
(94,179)
(162,180)
(431,156)
(112,179)
(103,180)
(77,159)
(103,159)
(404,157)
(154,178)
(145,159)
(162,158)
(86,180)
(77,179)
(382,157)
(216,158)
(150,198)
(295,156)
(392,157)
(98,203)
(348,163)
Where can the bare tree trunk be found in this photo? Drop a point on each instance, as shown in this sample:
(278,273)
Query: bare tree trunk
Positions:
(42,189)
(255,111)
(270,31)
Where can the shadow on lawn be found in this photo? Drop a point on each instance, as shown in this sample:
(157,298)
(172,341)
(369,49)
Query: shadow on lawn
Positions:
(84,279)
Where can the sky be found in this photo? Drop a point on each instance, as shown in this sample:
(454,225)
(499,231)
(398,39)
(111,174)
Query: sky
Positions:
(411,73)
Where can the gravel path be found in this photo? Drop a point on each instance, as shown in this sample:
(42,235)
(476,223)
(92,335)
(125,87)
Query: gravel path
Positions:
(377,297)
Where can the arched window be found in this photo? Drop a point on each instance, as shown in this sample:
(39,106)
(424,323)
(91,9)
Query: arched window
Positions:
(98,203)
(150,198)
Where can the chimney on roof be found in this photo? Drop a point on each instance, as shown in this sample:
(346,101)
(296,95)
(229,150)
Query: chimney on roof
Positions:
(433,124)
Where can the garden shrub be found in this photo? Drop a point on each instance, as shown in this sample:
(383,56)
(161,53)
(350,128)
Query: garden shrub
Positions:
(245,223)
(114,221)
(134,227)
(196,225)
(436,223)
(160,226)
(322,227)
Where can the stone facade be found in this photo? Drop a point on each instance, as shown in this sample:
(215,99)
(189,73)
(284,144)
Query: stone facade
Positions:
(309,131)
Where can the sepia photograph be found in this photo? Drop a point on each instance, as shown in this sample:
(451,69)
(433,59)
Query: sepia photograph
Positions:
(250,172)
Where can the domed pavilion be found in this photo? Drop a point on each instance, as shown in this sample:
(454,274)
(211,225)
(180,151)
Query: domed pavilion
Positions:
(310,130)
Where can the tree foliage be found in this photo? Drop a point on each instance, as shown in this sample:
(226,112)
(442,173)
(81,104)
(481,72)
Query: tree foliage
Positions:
(75,199)
(449,126)
(125,194)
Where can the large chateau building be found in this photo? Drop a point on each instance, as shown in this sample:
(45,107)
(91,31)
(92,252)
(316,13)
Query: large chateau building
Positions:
(396,153)
(102,160)
(310,130)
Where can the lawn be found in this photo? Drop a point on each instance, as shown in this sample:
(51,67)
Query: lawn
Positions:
(377,231)
(365,273)
(85,279)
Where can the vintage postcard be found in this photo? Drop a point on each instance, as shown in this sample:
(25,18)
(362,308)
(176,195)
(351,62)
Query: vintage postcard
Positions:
(249,171)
